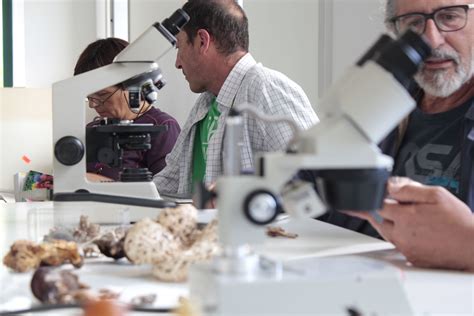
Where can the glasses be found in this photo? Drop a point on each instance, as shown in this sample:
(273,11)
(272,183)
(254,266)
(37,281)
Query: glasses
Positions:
(95,102)
(447,19)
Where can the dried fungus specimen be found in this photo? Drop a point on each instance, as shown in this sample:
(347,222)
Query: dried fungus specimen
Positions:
(26,255)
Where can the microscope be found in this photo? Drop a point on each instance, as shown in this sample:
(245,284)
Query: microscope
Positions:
(136,69)
(359,110)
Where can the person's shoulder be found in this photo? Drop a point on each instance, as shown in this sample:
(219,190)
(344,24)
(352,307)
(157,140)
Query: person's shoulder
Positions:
(261,76)
(156,116)
(262,82)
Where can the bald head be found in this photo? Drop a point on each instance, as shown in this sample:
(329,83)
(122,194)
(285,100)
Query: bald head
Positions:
(224,20)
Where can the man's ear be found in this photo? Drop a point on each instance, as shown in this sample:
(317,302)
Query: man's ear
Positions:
(203,39)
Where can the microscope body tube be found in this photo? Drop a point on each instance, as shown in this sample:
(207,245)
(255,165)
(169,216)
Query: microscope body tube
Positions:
(156,41)
(232,145)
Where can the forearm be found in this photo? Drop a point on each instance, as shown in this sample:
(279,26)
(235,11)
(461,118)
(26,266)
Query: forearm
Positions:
(468,245)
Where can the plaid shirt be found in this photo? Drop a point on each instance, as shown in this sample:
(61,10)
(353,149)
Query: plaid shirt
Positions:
(270,92)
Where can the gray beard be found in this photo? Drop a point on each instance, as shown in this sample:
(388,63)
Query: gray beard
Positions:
(438,84)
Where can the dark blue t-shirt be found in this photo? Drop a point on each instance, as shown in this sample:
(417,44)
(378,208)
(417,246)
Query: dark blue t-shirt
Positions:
(431,149)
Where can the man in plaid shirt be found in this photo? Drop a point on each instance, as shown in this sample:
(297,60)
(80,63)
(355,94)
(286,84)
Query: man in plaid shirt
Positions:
(213,56)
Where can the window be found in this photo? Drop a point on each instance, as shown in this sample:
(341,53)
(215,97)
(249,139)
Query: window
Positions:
(6,54)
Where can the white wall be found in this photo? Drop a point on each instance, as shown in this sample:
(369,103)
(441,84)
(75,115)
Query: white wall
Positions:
(25,129)
(284,37)
(356,25)
(306,38)
(56,32)
(1,47)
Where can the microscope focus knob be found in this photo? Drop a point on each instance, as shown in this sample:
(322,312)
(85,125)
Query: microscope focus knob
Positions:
(69,150)
(261,207)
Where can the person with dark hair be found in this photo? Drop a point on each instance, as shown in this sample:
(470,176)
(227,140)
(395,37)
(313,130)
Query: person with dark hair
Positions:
(113,103)
(213,56)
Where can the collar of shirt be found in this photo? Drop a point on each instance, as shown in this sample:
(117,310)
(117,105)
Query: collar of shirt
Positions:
(234,80)
(228,91)
(418,95)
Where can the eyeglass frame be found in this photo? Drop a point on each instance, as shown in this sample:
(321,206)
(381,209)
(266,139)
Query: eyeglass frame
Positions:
(100,102)
(428,16)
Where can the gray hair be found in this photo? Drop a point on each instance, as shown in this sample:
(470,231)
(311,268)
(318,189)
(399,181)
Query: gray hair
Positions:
(390,12)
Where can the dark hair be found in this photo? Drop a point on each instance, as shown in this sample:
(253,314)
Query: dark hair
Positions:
(99,53)
(223,19)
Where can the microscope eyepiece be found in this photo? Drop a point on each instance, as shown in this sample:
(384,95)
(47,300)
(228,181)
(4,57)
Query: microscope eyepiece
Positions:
(404,56)
(401,57)
(176,21)
(412,41)
(171,26)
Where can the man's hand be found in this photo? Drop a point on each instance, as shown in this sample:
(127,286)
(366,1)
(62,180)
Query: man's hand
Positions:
(428,224)
(212,200)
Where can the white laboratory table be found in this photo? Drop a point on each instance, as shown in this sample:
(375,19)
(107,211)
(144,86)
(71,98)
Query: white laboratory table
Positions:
(429,292)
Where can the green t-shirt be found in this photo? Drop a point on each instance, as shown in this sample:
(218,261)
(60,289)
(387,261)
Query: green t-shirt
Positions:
(204,131)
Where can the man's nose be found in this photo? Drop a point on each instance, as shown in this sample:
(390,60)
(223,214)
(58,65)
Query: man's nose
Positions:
(177,63)
(433,34)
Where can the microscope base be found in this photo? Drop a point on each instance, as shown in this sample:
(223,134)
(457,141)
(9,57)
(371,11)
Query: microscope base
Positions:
(114,199)
(328,286)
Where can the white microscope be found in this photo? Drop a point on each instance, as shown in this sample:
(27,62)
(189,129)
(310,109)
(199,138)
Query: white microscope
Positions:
(362,108)
(135,68)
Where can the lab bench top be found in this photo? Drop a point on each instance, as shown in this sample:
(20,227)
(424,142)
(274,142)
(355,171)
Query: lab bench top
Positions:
(429,292)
